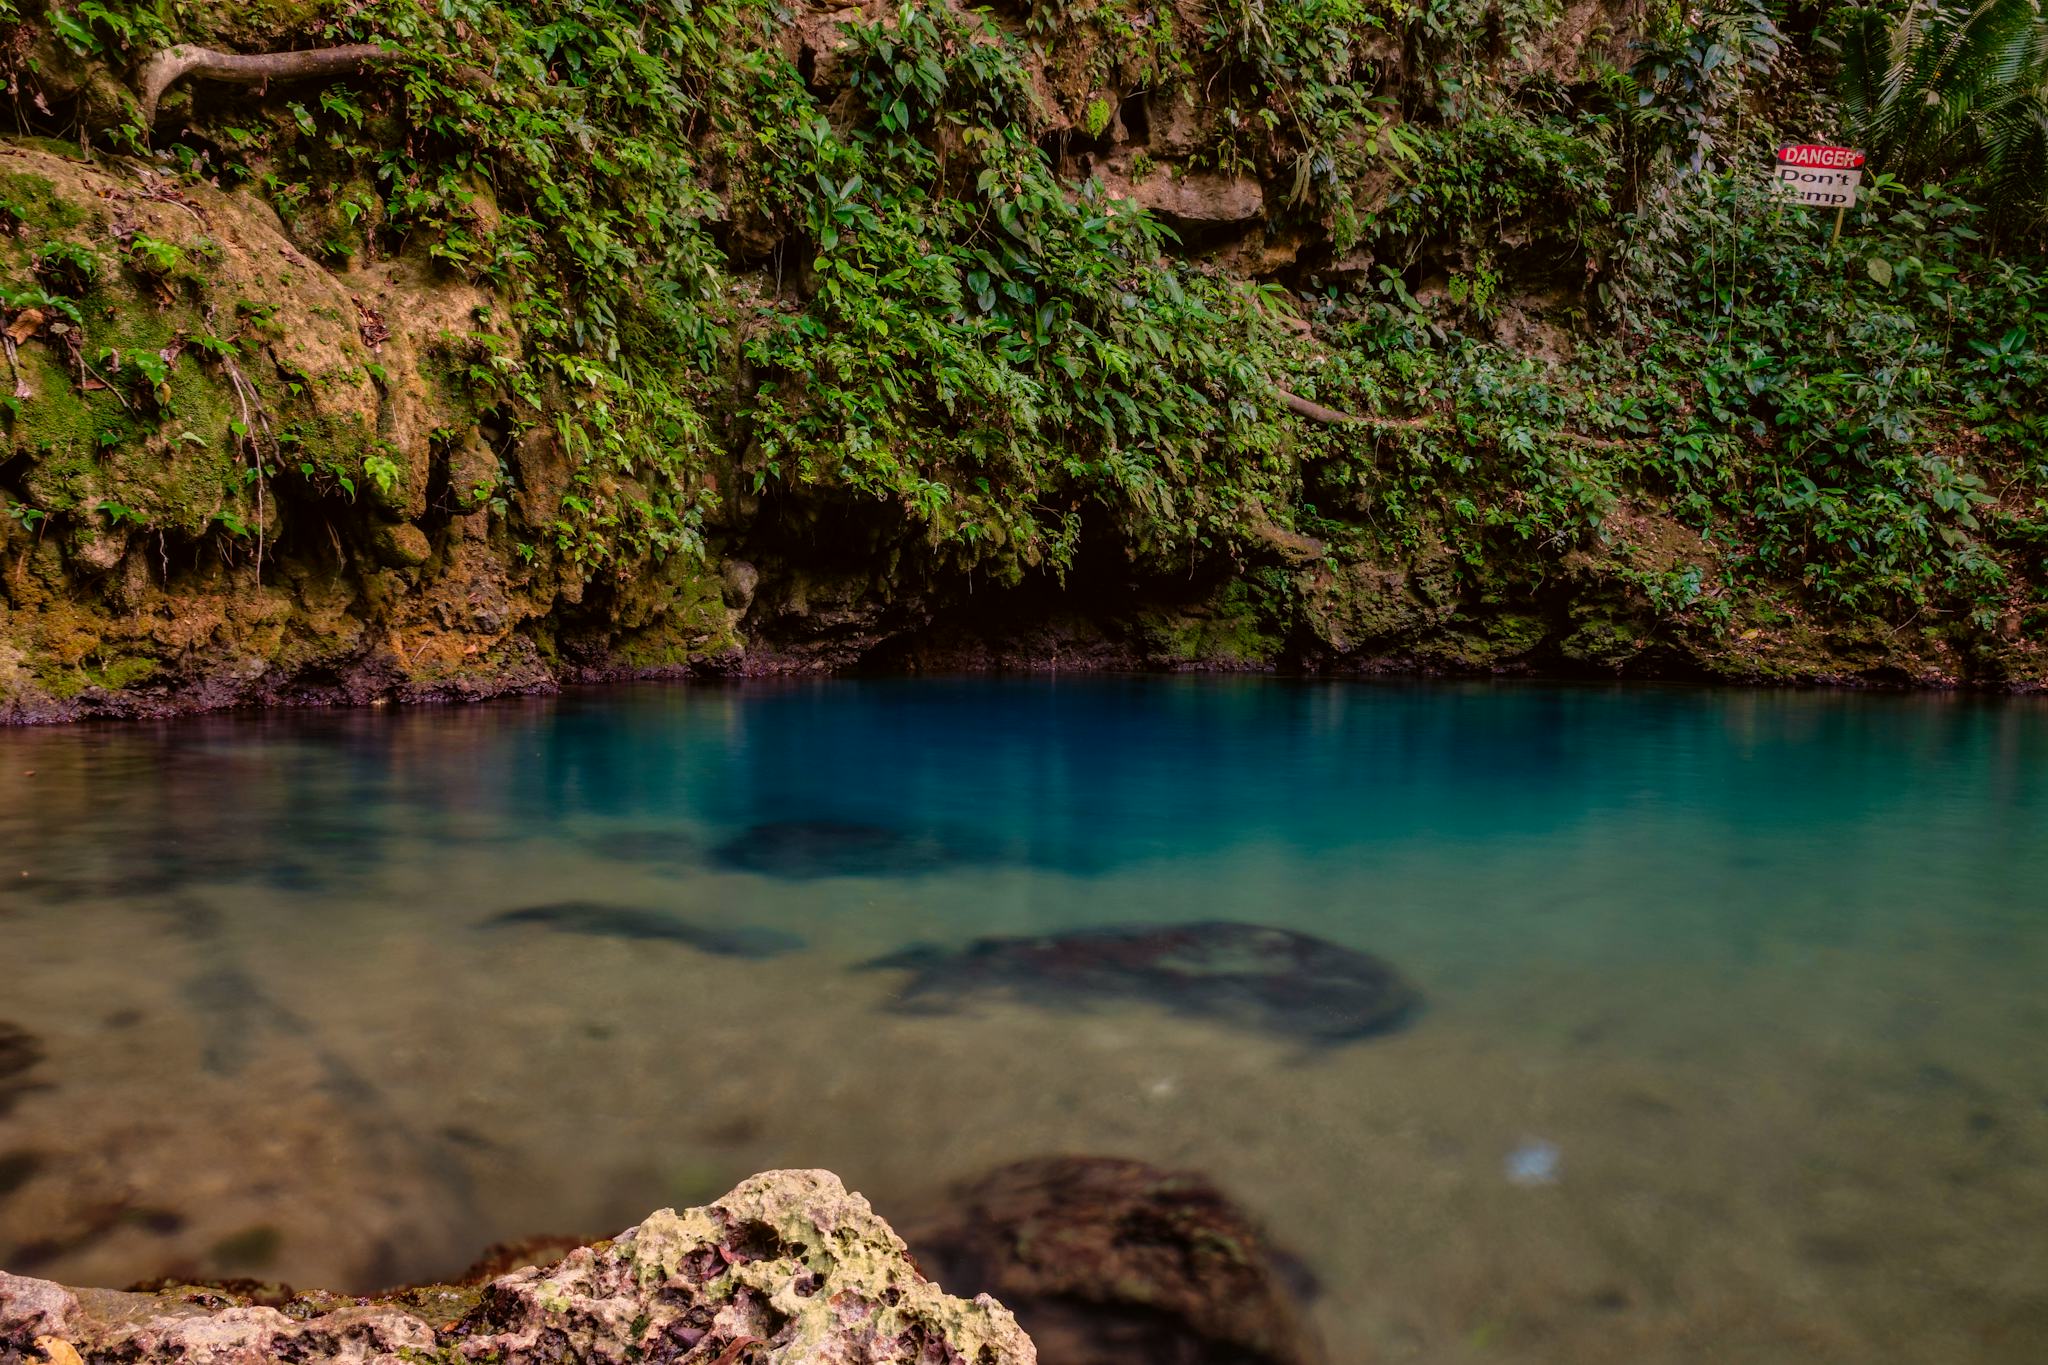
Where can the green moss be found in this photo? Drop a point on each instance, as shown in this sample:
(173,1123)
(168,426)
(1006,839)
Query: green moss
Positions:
(33,201)
(687,625)
(1511,634)
(122,673)
(62,684)
(72,661)
(1603,642)
(1239,637)
(59,419)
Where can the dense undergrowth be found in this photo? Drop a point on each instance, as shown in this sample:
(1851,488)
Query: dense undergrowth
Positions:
(1553,288)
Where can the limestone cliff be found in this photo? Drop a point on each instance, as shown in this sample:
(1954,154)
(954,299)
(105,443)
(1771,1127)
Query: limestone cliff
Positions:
(271,440)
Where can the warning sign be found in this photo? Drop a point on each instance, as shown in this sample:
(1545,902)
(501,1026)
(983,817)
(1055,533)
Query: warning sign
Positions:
(1825,177)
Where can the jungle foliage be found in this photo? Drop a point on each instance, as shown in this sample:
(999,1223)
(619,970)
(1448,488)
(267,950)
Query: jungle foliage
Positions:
(1557,293)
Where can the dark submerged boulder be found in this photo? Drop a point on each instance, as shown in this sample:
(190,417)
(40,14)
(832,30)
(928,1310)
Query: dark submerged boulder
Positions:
(20,1053)
(805,850)
(656,847)
(1248,974)
(1112,1262)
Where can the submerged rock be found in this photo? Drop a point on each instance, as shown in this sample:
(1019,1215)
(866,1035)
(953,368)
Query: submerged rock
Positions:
(1109,1262)
(233,1013)
(17,1168)
(803,850)
(669,850)
(20,1052)
(604,920)
(1272,979)
(789,1267)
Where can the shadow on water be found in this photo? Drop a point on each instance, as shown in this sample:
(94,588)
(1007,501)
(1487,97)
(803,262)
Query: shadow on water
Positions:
(806,850)
(660,848)
(1246,974)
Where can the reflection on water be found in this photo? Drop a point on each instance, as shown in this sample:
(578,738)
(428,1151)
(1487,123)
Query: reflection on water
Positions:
(1732,1045)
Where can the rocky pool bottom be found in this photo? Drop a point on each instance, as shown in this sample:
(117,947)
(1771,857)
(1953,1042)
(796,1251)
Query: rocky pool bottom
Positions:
(1521,1024)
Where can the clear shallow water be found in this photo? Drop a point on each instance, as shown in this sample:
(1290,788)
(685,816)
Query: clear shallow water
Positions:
(1749,983)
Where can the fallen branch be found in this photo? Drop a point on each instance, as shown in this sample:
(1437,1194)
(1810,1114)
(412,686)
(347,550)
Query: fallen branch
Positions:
(1315,412)
(166,68)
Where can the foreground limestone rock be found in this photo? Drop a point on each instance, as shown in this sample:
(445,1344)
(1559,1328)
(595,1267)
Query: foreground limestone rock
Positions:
(789,1267)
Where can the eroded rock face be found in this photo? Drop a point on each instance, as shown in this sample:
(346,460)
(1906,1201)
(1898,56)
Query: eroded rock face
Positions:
(1112,1262)
(1200,197)
(790,1266)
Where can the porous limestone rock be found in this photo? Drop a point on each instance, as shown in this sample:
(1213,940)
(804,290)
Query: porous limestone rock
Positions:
(1205,197)
(789,1267)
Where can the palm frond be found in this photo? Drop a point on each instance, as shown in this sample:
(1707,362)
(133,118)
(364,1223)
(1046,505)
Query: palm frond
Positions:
(1952,91)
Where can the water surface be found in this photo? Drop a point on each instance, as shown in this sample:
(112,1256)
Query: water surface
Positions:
(1730,1044)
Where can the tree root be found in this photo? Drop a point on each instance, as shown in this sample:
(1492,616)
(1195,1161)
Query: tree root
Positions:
(166,68)
(21,388)
(1316,412)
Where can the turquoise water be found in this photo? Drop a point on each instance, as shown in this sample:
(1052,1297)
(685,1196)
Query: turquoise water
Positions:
(1730,1043)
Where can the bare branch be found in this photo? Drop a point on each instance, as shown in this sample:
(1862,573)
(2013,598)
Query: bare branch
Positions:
(1315,412)
(165,69)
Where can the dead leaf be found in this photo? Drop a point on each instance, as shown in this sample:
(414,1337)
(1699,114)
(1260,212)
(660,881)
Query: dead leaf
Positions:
(58,1352)
(26,325)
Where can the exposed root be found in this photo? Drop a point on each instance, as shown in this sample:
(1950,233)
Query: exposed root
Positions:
(21,388)
(253,418)
(166,68)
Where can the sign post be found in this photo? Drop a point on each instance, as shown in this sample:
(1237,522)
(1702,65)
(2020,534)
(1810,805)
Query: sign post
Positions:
(1822,177)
